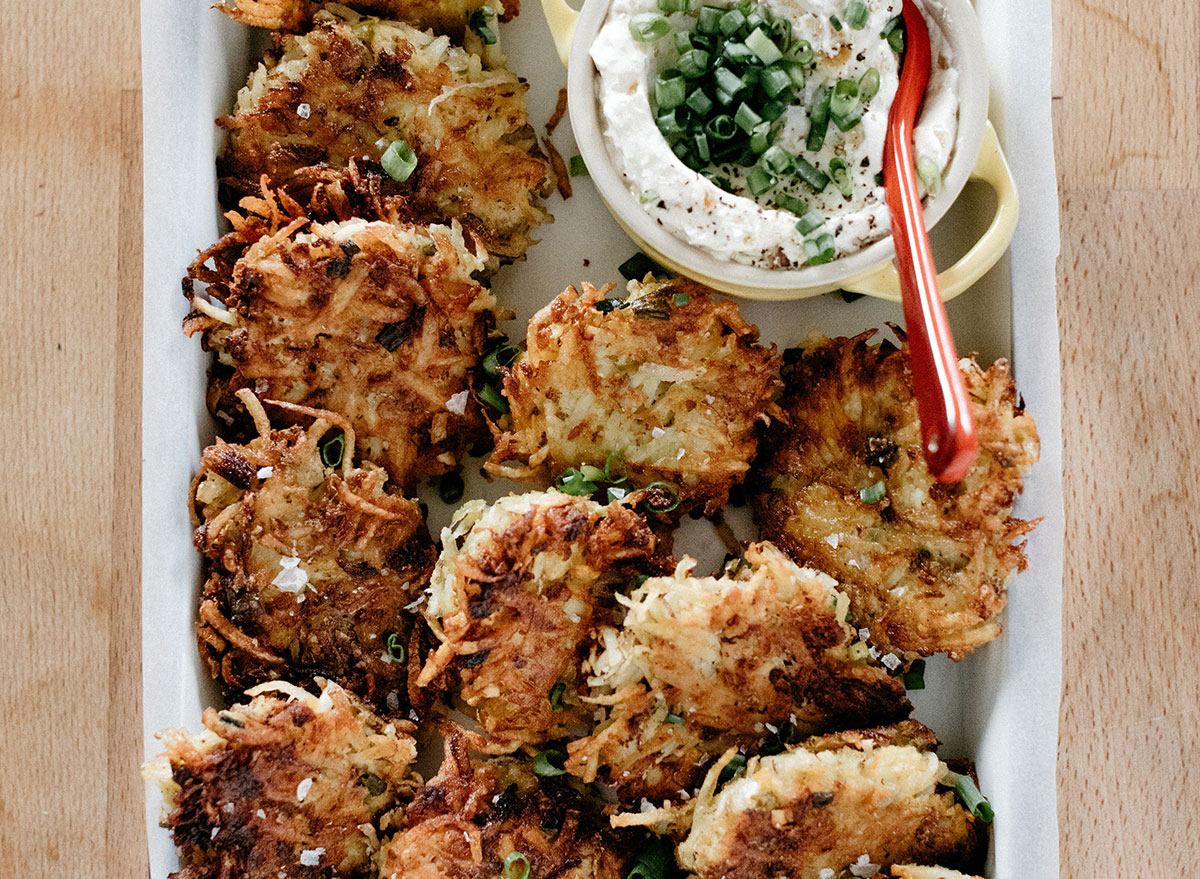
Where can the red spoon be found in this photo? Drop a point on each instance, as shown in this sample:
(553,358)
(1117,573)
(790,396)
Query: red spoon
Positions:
(947,428)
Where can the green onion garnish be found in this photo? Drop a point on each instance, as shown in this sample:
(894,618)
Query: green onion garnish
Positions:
(836,22)
(674,5)
(699,103)
(574,483)
(813,177)
(874,493)
(494,397)
(802,51)
(914,678)
(505,355)
(790,203)
(868,86)
(731,22)
(516,866)
(655,858)
(556,696)
(680,298)
(820,250)
(746,118)
(592,474)
(778,161)
(615,471)
(647,27)
(616,493)
(930,175)
(395,647)
(649,196)
(668,507)
(694,62)
(732,768)
(761,45)
(708,19)
(760,181)
(894,33)
(638,266)
(850,120)
(399,160)
(577,167)
(333,450)
(810,222)
(450,488)
(818,120)
(856,14)
(479,21)
(839,171)
(968,792)
(549,763)
(776,82)
(670,89)
(676,719)
(844,97)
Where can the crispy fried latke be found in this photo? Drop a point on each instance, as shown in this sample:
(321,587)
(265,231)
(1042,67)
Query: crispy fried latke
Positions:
(926,564)
(516,594)
(310,567)
(800,812)
(287,784)
(381,323)
(469,818)
(351,86)
(446,16)
(703,663)
(912,871)
(674,379)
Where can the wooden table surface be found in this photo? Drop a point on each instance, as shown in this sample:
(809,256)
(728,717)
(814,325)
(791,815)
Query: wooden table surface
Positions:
(1127,114)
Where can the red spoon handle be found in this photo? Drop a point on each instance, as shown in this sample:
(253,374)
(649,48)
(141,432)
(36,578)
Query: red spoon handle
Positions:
(947,428)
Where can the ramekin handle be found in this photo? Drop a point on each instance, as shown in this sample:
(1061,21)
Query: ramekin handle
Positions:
(562,19)
(991,167)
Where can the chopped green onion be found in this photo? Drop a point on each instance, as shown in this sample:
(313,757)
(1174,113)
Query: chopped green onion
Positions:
(760,139)
(760,181)
(811,222)
(778,161)
(592,474)
(802,51)
(395,648)
(616,494)
(700,148)
(681,299)
(699,103)
(646,27)
(694,62)
(492,395)
(505,355)
(674,5)
(739,53)
(844,97)
(850,120)
(874,493)
(732,768)
(818,119)
(746,118)
(670,89)
(708,19)
(772,110)
(776,81)
(578,167)
(755,19)
(399,160)
(856,14)
(761,45)
(796,71)
(868,86)
(930,175)
(781,31)
(676,719)
(656,857)
(637,267)
(516,866)
(450,488)
(813,177)
(333,450)
(973,801)
(649,196)
(790,203)
(728,81)
(617,459)
(548,763)
(840,172)
(894,34)
(820,250)
(836,22)
(731,22)
(480,19)
(664,487)
(668,124)
(556,696)
(574,483)
(914,678)
(682,41)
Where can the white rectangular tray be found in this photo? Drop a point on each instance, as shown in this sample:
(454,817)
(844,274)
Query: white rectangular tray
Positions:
(1000,706)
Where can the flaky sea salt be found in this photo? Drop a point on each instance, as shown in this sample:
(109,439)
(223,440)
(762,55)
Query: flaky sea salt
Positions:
(303,788)
(310,857)
(304,111)
(458,402)
(291,577)
(266,472)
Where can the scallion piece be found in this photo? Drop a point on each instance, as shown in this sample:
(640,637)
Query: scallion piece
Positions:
(772,110)
(732,768)
(850,120)
(574,483)
(778,161)
(873,493)
(781,32)
(856,14)
(868,86)
(818,118)
(708,19)
(761,45)
(656,857)
(479,21)
(505,355)
(836,22)
(549,763)
(802,51)
(820,250)
(670,89)
(755,18)
(679,298)
(492,395)
(674,5)
(615,470)
(789,202)
(760,139)
(930,175)
(811,222)
(731,22)
(894,34)
(760,181)
(813,177)
(649,196)
(333,450)
(646,27)
(739,54)
(556,696)
(395,648)
(694,63)
(699,144)
(682,41)
(616,493)
(840,173)
(720,127)
(728,81)
(669,490)
(669,125)
(516,866)
(591,474)
(968,792)
(776,82)
(844,97)
(914,678)
(399,160)
(699,103)
(676,719)
(450,488)
(746,118)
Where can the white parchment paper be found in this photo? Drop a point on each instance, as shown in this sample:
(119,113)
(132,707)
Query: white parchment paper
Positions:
(999,706)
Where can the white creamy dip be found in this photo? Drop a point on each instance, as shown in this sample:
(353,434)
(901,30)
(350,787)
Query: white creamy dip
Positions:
(737,227)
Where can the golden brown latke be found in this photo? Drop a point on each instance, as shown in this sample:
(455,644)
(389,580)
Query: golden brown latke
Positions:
(469,818)
(926,564)
(447,16)
(673,379)
(800,812)
(912,871)
(353,85)
(381,323)
(310,566)
(516,594)
(703,663)
(288,784)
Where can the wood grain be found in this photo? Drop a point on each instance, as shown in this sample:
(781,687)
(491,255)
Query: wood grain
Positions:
(1127,116)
